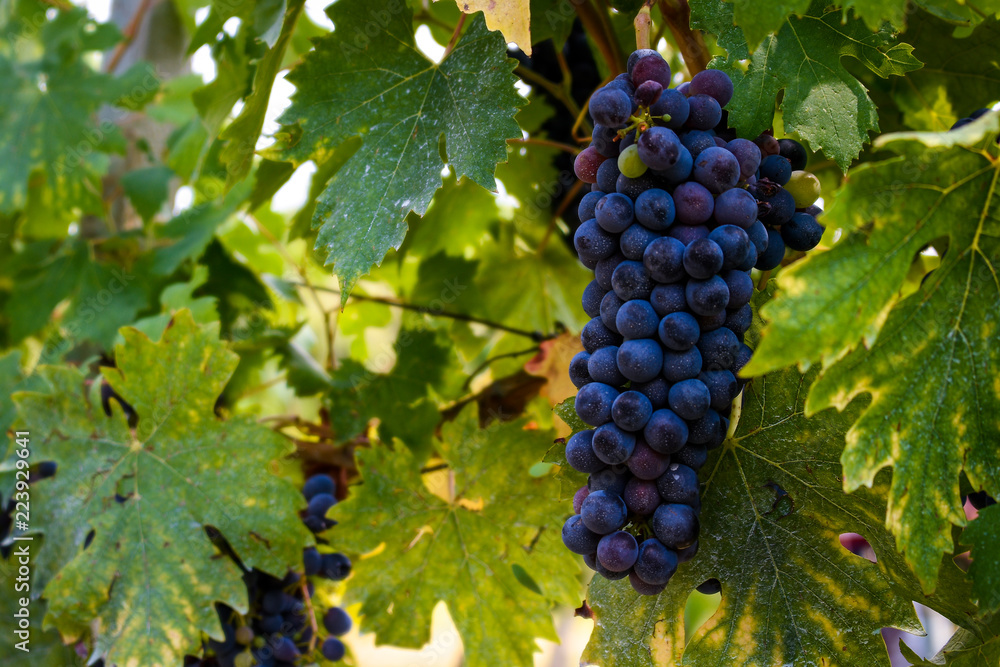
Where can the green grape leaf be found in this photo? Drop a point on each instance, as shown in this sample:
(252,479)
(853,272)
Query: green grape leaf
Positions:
(461,543)
(823,103)
(47,117)
(928,359)
(979,647)
(368,79)
(773,510)
(146,585)
(716,17)
(147,189)
(983,534)
(242,134)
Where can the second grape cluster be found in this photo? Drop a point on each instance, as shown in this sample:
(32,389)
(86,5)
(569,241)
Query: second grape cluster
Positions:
(680,211)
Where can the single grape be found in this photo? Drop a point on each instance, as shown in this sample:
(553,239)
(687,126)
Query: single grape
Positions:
(739,321)
(771,258)
(623,82)
(697,141)
(607,176)
(707,297)
(665,431)
(318,484)
(679,366)
(714,83)
(595,336)
(333,649)
(674,104)
(655,563)
(694,203)
(603,512)
(336,567)
(703,258)
(647,93)
(718,349)
(675,525)
(580,453)
(614,213)
(684,88)
(595,565)
(681,169)
(740,286)
(284,649)
(776,168)
(747,154)
(794,152)
(651,67)
(337,621)
(646,463)
(592,242)
(586,164)
(630,280)
(758,236)
(609,480)
(767,144)
(655,390)
(655,209)
(631,410)
(633,187)
(630,164)
(722,387)
(804,188)
(320,504)
(704,430)
(664,260)
(689,399)
(610,107)
(605,268)
(593,403)
(743,356)
(604,141)
(659,148)
(637,319)
(577,537)
(802,232)
(271,623)
(603,366)
(687,553)
(736,207)
(734,243)
(688,235)
(679,331)
(634,241)
(691,455)
(782,208)
(592,295)
(617,551)
(642,588)
(705,113)
(636,55)
(612,444)
(311,561)
(641,496)
(640,360)
(717,169)
(667,299)
(578,498)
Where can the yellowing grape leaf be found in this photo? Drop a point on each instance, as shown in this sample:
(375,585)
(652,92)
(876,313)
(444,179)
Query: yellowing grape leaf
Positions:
(146,584)
(479,545)
(511,17)
(929,360)
(773,510)
(368,79)
(983,535)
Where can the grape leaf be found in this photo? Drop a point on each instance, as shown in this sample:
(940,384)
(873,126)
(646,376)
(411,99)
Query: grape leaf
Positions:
(983,535)
(368,79)
(822,102)
(966,648)
(45,649)
(462,548)
(929,360)
(147,189)
(146,585)
(773,512)
(49,104)
(511,18)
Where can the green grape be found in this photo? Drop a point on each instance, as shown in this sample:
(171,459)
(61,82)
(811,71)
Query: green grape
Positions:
(244,660)
(630,164)
(804,188)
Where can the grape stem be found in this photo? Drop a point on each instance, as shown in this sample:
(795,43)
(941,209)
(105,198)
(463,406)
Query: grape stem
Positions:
(550,87)
(485,364)
(546,142)
(311,613)
(677,15)
(454,37)
(643,23)
(128,34)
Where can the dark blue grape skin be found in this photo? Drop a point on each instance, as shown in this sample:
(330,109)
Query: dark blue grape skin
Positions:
(794,152)
(579,374)
(802,232)
(646,463)
(740,286)
(687,553)
(590,264)
(705,112)
(642,588)
(702,431)
(612,480)
(722,387)
(640,360)
(320,504)
(665,432)
(748,262)
(610,305)
(333,649)
(782,208)
(709,587)
(591,300)
(659,148)
(636,319)
(337,621)
(595,565)
(667,299)
(578,498)
(736,207)
(655,563)
(603,140)
(311,561)
(614,212)
(673,104)
(631,410)
(714,83)
(593,403)
(603,512)
(318,484)
(747,154)
(607,176)
(697,141)
(613,445)
(605,268)
(596,335)
(655,390)
(335,567)
(594,243)
(617,551)
(739,321)
(703,258)
(679,331)
(688,235)
(610,107)
(623,82)
(271,623)
(717,169)
(707,297)
(580,453)
(758,236)
(814,211)
(689,399)
(743,356)
(771,258)
(603,367)
(633,187)
(681,170)
(641,496)
(776,168)
(634,241)
(655,209)
(679,366)
(691,455)
(664,260)
(734,243)
(577,537)
(693,203)
(647,93)
(651,67)
(630,280)
(284,649)
(675,525)
(718,349)
(711,322)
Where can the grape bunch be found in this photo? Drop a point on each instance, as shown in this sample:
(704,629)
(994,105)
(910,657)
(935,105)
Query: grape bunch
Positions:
(680,210)
(277,632)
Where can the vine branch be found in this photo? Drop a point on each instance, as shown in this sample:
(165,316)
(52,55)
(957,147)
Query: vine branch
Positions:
(572,150)
(677,15)
(595,23)
(643,23)
(128,34)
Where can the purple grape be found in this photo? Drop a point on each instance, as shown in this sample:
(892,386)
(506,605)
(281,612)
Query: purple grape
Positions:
(667,299)
(689,399)
(618,551)
(704,430)
(776,168)
(707,297)
(580,453)
(771,258)
(794,152)
(637,319)
(603,512)
(578,538)
(679,331)
(592,242)
(655,390)
(679,366)
(734,243)
(646,463)
(664,260)
(665,431)
(736,207)
(591,300)
(675,525)
(697,141)
(631,410)
(604,141)
(654,208)
(714,83)
(718,349)
(717,169)
(634,241)
(651,68)
(607,176)
(739,321)
(674,104)
(705,113)
(578,498)
(694,204)
(609,311)
(612,444)
(740,286)
(688,235)
(586,164)
(641,496)
(610,107)
(655,563)
(593,403)
(603,367)
(647,93)
(722,387)
(691,455)
(703,258)
(630,280)
(802,232)
(747,154)
(595,336)
(659,148)
(640,360)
